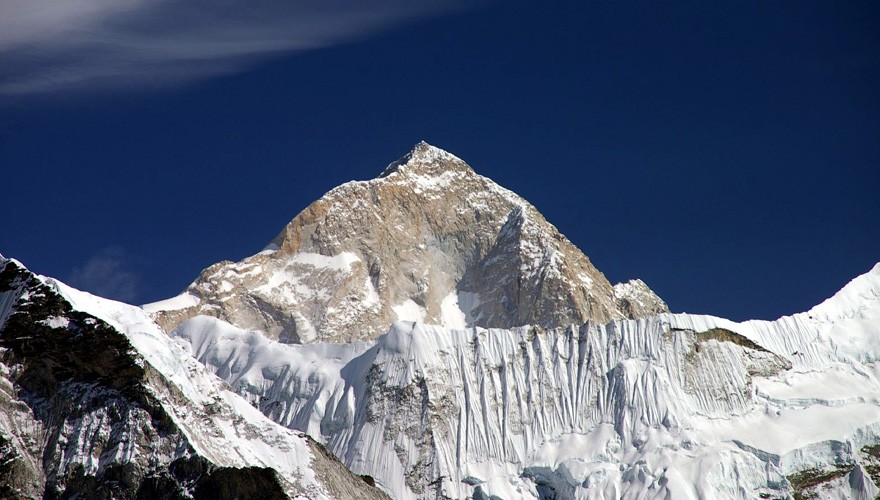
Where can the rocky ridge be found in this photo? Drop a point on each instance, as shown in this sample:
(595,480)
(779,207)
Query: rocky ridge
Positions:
(102,404)
(428,240)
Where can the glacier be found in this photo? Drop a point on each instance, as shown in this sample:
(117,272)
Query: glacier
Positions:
(669,406)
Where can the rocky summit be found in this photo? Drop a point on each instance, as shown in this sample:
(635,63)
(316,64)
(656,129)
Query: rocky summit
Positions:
(428,240)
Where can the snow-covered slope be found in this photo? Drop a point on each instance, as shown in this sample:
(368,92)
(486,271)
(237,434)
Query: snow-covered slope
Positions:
(428,240)
(671,406)
(99,402)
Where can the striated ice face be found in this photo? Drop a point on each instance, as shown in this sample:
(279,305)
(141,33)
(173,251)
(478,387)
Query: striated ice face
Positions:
(673,405)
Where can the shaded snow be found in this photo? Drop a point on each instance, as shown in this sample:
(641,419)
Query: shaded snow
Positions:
(181,301)
(455,310)
(408,310)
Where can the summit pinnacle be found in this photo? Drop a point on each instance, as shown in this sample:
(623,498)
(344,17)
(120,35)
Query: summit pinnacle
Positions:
(426,159)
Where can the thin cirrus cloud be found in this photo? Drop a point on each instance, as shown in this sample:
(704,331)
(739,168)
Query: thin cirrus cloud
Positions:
(107,274)
(51,45)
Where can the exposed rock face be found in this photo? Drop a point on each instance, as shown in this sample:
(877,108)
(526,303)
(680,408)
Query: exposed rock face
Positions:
(635,300)
(429,240)
(83,414)
(73,383)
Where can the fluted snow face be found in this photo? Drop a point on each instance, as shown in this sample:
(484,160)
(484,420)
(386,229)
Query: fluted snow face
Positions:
(429,240)
(676,404)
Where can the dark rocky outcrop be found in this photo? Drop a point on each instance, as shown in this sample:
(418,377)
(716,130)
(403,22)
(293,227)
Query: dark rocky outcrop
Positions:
(79,418)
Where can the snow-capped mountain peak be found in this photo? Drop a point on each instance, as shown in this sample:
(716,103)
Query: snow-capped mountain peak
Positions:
(429,240)
(431,332)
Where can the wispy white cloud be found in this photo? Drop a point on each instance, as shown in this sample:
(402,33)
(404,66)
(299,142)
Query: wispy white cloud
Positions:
(107,274)
(49,45)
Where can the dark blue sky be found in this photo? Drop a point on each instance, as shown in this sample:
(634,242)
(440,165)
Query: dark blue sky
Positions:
(727,155)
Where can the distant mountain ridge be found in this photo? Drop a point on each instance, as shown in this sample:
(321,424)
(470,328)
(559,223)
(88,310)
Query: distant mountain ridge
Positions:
(427,240)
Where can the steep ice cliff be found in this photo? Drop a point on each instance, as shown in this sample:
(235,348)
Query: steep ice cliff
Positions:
(428,240)
(669,406)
